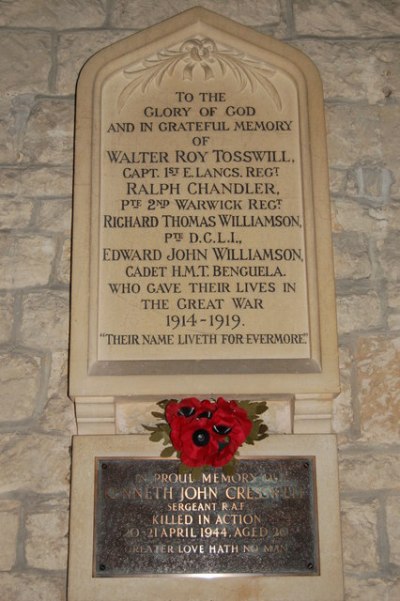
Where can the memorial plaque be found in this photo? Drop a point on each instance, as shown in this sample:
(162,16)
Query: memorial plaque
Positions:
(201,209)
(149,519)
(139,530)
(201,215)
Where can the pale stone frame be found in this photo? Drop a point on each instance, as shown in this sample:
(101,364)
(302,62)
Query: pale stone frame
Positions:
(95,394)
(328,586)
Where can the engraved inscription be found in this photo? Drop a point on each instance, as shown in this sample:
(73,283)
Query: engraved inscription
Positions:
(201,240)
(151,520)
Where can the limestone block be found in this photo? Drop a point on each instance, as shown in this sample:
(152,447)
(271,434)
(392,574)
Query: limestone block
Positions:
(349,215)
(358,312)
(25,62)
(353,135)
(351,256)
(139,14)
(393,214)
(378,378)
(366,472)
(393,591)
(364,18)
(353,71)
(73,51)
(7,132)
(55,215)
(342,414)
(370,183)
(360,535)
(394,305)
(9,524)
(50,14)
(15,213)
(56,118)
(390,255)
(25,260)
(58,380)
(46,541)
(390,127)
(393,528)
(19,386)
(64,268)
(368,589)
(36,182)
(32,587)
(58,414)
(34,462)
(45,320)
(377,183)
(6,317)
(337,180)
(394,322)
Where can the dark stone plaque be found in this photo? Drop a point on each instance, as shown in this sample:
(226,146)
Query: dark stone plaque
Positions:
(149,519)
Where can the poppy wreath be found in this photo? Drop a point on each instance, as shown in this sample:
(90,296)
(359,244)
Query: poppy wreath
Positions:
(207,433)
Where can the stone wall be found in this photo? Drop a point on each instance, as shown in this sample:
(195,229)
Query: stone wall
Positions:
(43,44)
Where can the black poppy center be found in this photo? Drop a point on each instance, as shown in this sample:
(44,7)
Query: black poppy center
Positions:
(186,411)
(200,438)
(206,414)
(220,429)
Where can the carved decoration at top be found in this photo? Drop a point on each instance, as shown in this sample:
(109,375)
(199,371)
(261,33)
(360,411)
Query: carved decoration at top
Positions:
(192,57)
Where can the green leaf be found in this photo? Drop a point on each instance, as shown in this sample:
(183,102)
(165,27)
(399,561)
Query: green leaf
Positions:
(197,473)
(184,469)
(258,430)
(167,452)
(253,408)
(164,403)
(150,428)
(261,407)
(165,437)
(158,414)
(156,436)
(254,430)
(229,468)
(249,407)
(261,431)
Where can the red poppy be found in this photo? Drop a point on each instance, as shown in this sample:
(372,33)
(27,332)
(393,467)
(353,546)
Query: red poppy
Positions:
(198,445)
(205,432)
(231,426)
(184,408)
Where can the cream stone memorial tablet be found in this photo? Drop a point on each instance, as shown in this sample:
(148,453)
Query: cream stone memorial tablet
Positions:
(201,253)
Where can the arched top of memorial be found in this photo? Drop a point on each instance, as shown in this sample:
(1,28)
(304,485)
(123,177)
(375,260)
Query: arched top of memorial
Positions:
(199,42)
